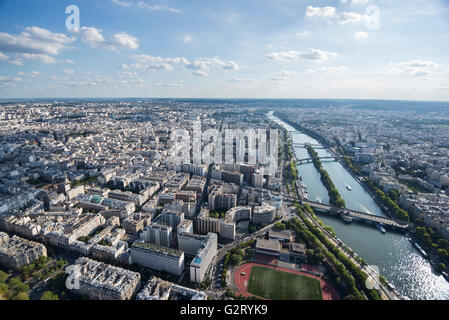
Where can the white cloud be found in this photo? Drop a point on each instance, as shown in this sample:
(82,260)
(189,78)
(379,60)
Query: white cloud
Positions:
(303,34)
(419,64)
(15,79)
(416,68)
(94,38)
(200,67)
(170,85)
(200,73)
(145,58)
(124,40)
(325,12)
(279,79)
(242,80)
(90,35)
(230,65)
(36,57)
(204,64)
(328,69)
(153,67)
(310,54)
(43,58)
(68,71)
(329,13)
(355,1)
(123,3)
(147,62)
(80,83)
(208,63)
(144,5)
(350,17)
(34,40)
(286,73)
(361,35)
(129,74)
(9,81)
(187,38)
(137,80)
(16,62)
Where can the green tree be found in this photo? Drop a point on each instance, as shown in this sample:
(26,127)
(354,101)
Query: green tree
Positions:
(443,244)
(18,286)
(310,252)
(4,289)
(340,203)
(279,226)
(443,253)
(3,276)
(236,259)
(394,194)
(43,259)
(21,296)
(249,253)
(48,295)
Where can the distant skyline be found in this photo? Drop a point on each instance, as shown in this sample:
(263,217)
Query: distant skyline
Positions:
(323,49)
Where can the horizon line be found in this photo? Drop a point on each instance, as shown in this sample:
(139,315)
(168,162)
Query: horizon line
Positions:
(220,98)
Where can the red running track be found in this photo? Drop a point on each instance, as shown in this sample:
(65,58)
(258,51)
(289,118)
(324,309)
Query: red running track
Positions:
(241,282)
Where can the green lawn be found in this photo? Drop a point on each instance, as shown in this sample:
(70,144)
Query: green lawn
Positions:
(278,285)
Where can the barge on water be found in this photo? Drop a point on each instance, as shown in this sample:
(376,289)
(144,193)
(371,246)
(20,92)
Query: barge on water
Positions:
(418,247)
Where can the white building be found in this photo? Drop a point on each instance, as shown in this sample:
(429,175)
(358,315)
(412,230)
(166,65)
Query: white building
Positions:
(157,257)
(158,234)
(204,248)
(100,281)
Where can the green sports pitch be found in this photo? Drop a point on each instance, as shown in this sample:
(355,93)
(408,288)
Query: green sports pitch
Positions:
(278,285)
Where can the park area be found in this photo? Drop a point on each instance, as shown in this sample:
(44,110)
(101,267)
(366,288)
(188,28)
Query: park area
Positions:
(276,283)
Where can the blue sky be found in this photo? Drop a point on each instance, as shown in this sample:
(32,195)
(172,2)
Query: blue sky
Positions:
(227,49)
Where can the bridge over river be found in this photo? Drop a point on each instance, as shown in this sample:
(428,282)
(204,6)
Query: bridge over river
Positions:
(328,158)
(303,145)
(349,216)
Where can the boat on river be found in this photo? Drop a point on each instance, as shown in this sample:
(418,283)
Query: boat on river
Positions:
(445,275)
(421,250)
(380,228)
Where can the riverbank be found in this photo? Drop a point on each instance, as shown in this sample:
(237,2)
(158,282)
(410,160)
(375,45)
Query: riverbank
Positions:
(438,264)
(392,253)
(334,195)
(431,255)
(365,187)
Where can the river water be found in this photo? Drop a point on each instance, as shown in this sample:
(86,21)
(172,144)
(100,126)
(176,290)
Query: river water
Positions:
(392,253)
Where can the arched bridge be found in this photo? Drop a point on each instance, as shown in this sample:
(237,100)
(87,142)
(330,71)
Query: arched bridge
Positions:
(308,160)
(303,145)
(349,215)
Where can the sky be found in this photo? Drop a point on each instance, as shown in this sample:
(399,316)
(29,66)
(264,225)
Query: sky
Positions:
(351,49)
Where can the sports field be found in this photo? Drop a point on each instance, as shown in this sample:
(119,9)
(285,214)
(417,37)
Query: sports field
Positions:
(278,285)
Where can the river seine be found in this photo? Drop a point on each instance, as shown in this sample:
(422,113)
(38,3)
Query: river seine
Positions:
(397,259)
